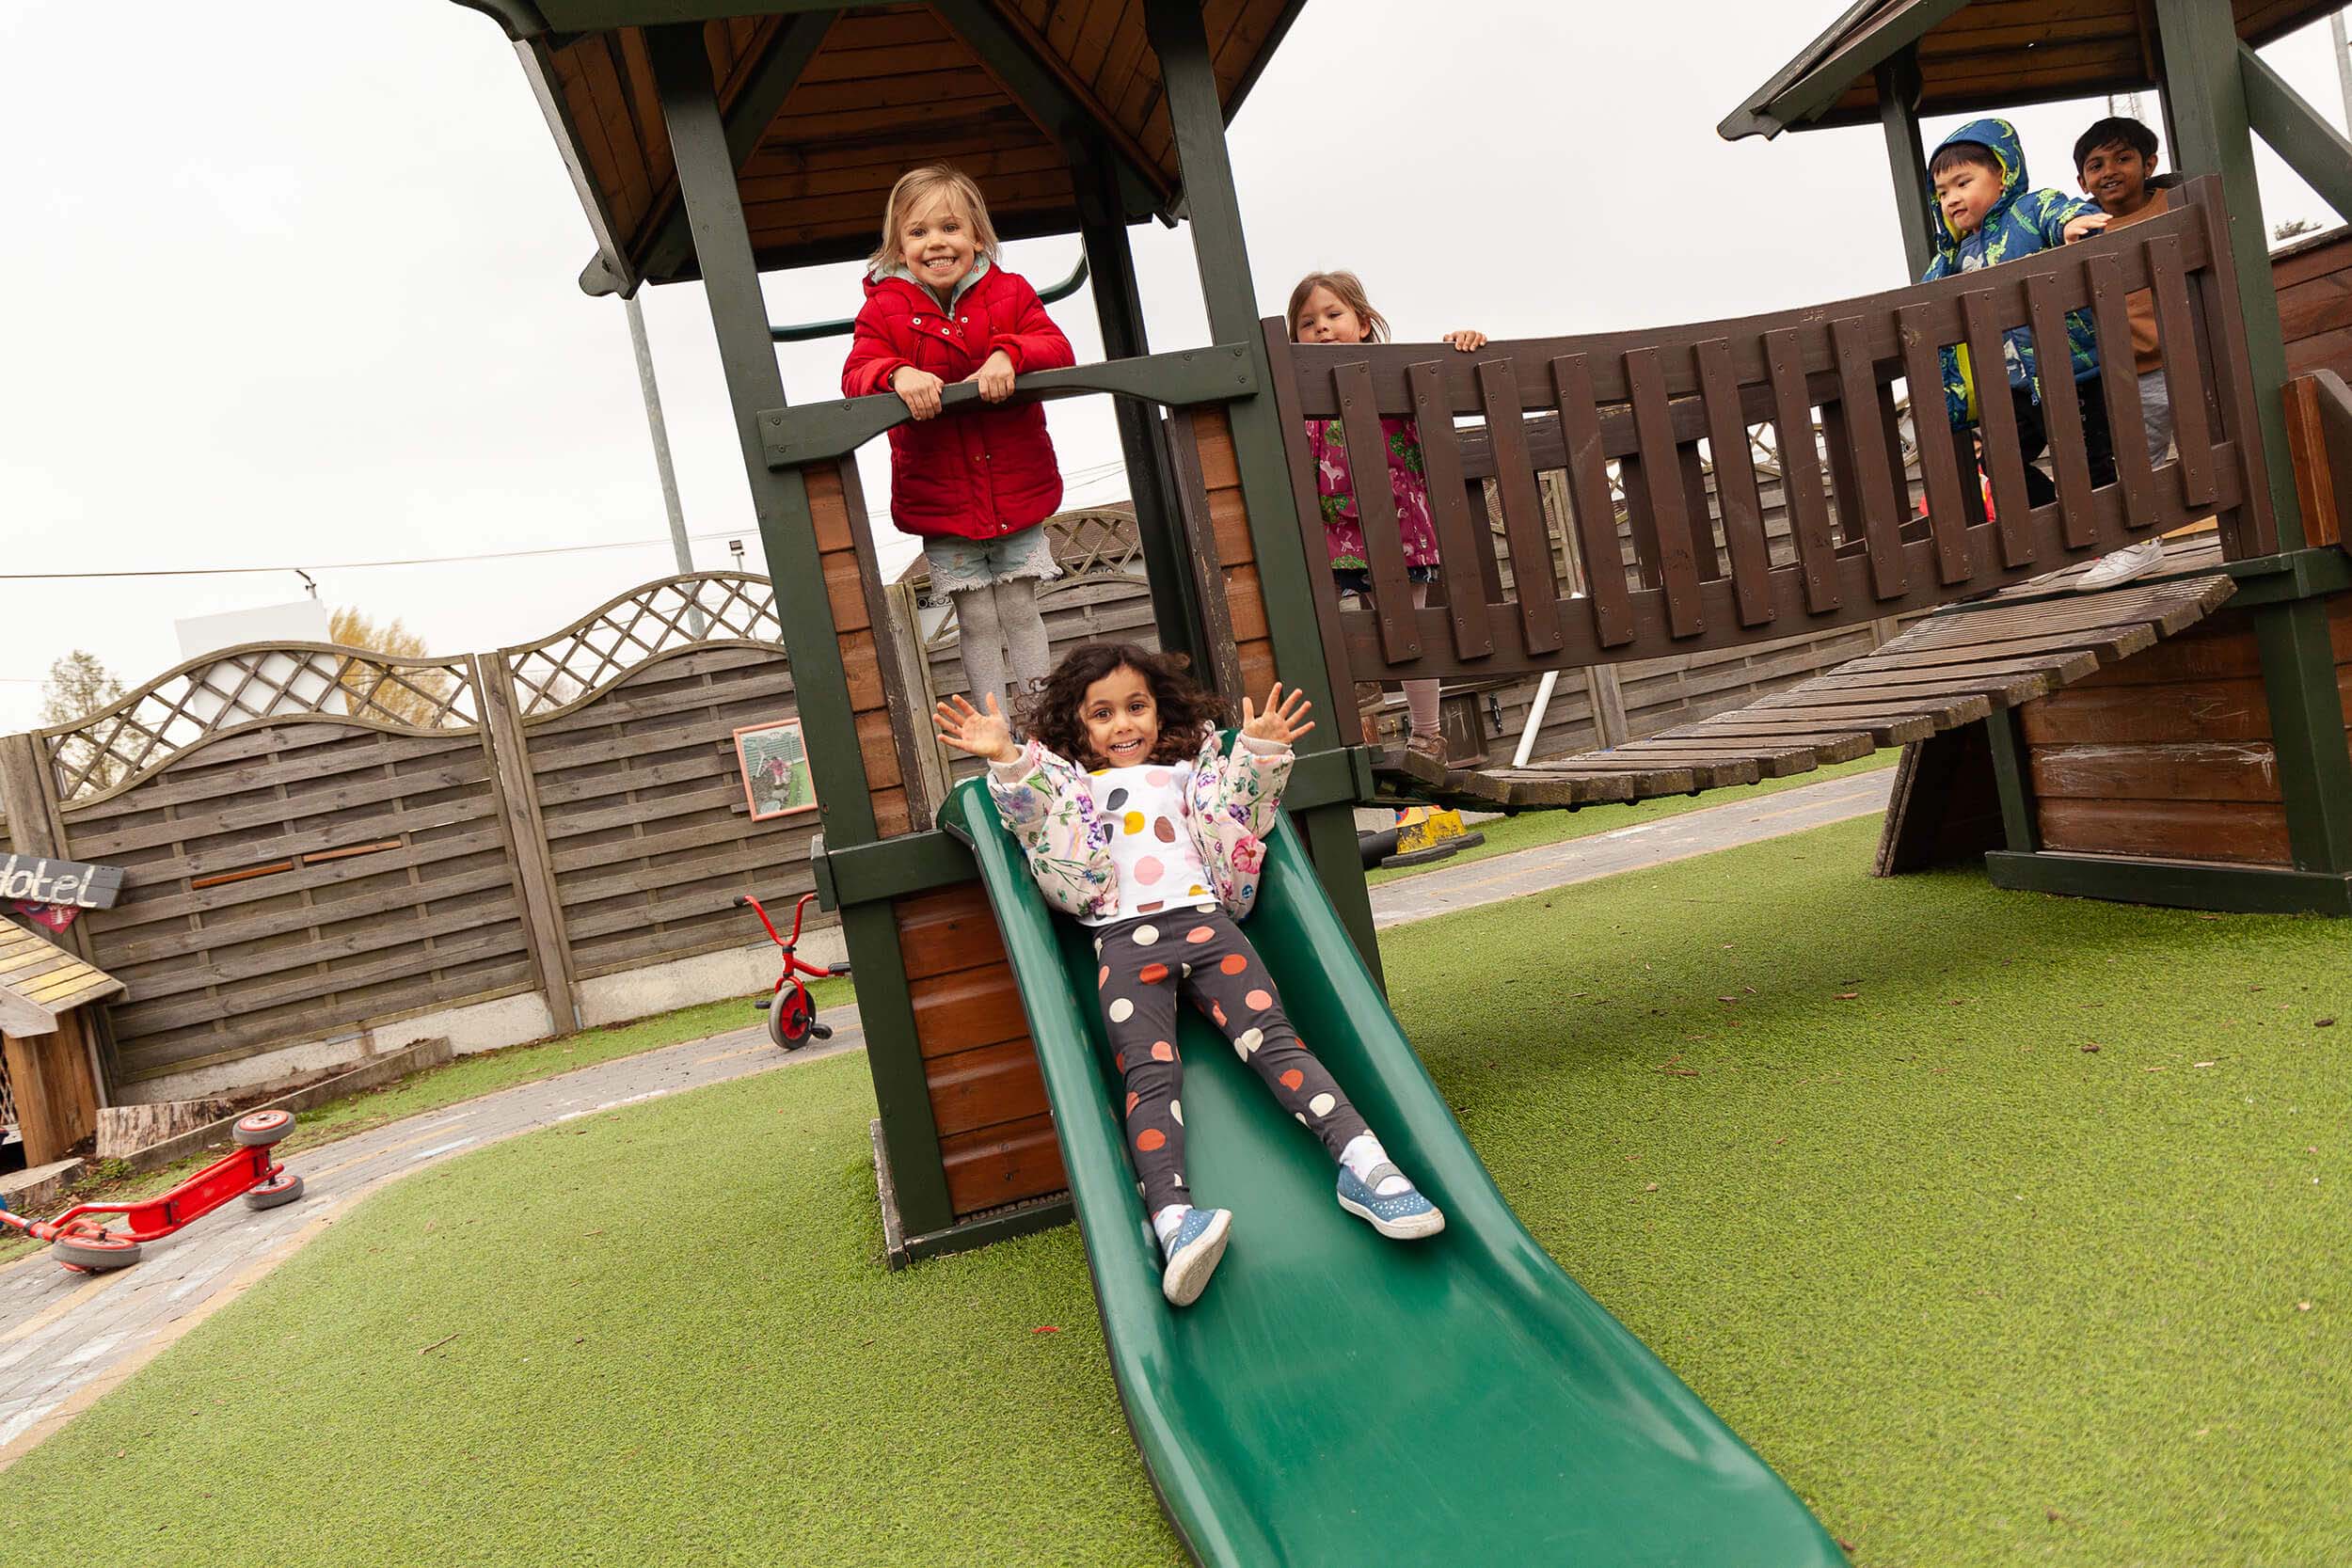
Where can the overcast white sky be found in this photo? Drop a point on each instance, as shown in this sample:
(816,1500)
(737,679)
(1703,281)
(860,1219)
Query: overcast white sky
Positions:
(294,285)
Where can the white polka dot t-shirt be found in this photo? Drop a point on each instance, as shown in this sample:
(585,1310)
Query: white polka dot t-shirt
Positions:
(1149,811)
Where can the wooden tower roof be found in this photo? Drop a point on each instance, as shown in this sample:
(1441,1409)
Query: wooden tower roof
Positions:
(825,108)
(1975,57)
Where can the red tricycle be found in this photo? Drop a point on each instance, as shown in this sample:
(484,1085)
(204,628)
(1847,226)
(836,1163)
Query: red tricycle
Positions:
(791,1012)
(84,1244)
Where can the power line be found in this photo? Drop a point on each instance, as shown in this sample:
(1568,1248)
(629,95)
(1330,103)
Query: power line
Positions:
(1074,478)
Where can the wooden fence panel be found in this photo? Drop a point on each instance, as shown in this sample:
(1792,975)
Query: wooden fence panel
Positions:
(648,827)
(347,876)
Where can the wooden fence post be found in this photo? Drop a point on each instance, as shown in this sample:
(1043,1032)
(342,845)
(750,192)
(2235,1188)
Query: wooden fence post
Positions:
(526,832)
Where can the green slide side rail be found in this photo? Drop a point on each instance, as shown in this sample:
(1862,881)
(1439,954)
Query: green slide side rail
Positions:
(1336,1398)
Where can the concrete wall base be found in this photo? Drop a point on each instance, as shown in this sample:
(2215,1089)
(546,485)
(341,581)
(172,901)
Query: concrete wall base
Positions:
(507,1021)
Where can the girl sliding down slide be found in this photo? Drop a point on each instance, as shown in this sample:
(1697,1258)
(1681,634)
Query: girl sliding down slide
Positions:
(1153,837)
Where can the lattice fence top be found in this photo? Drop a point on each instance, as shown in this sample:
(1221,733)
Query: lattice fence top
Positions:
(574,664)
(1096,541)
(1099,543)
(98,755)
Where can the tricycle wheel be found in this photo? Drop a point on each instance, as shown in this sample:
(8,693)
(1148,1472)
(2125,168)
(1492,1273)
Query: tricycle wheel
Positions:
(94,1252)
(788,1021)
(261,1129)
(282,1188)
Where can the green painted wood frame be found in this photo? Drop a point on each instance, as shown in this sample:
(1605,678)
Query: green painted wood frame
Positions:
(1181,378)
(1142,435)
(738,316)
(1196,118)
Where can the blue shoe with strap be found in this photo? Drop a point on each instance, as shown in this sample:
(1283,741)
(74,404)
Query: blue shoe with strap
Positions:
(1404,1216)
(1193,1252)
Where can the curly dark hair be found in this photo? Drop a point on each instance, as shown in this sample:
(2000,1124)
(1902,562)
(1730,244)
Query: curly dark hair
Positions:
(1189,713)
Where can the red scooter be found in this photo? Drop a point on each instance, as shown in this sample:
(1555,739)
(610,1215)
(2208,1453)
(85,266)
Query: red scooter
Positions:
(791,1011)
(84,1244)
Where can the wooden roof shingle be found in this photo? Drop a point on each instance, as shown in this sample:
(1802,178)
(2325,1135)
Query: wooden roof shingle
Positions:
(867,93)
(1980,55)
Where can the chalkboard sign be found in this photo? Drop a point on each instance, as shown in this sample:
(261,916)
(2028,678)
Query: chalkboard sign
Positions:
(776,780)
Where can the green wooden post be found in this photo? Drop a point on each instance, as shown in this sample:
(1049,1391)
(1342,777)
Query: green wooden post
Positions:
(787,535)
(2206,99)
(2013,779)
(1118,308)
(2205,89)
(1197,118)
(1906,159)
(2307,730)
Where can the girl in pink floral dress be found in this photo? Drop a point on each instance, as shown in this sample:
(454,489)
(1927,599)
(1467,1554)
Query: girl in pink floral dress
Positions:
(1139,820)
(1331,308)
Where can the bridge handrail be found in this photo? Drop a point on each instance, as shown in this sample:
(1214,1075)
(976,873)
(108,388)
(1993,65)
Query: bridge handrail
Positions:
(1701,573)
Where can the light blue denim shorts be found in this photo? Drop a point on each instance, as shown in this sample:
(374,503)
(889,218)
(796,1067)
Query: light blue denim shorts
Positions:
(960,565)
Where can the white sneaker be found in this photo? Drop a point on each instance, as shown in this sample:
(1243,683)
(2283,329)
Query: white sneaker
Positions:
(2122,566)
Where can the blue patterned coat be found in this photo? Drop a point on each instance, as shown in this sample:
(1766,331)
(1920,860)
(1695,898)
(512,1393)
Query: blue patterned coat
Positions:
(2020,223)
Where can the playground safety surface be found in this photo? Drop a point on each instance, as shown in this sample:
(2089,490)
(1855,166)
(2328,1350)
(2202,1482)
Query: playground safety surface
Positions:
(67,1339)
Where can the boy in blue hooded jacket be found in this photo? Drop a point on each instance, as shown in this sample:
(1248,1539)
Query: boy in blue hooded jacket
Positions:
(1986,216)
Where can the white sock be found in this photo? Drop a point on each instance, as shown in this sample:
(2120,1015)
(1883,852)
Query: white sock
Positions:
(1164,1224)
(1363,1155)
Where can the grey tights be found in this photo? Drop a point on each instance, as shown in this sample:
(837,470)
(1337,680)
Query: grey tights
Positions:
(1004,638)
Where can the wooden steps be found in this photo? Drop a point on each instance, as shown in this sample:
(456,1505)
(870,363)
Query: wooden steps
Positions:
(1951,669)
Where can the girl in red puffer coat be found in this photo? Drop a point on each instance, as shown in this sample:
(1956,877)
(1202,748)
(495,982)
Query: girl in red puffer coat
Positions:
(975,486)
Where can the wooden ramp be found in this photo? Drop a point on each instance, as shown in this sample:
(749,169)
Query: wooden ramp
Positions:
(1951,669)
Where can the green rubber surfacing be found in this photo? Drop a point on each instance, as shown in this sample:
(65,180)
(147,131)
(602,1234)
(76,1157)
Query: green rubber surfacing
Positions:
(1335,1396)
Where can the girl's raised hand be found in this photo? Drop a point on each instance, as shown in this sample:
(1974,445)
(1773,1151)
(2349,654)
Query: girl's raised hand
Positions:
(994,376)
(973,732)
(1467,340)
(918,390)
(1282,720)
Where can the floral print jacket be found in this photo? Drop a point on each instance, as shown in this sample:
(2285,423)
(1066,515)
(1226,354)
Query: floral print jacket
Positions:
(1335,484)
(1047,803)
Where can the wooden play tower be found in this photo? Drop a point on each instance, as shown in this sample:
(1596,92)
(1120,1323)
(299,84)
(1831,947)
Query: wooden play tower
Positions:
(716,141)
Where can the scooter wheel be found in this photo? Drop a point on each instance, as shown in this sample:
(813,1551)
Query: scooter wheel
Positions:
(92,1252)
(281,1189)
(263,1128)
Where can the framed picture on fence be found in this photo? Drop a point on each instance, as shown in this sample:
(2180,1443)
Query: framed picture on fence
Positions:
(776,779)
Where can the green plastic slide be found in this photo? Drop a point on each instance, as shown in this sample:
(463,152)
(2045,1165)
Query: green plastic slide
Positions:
(1337,1398)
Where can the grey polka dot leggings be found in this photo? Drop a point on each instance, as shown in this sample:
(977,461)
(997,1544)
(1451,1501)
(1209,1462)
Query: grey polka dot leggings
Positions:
(1144,965)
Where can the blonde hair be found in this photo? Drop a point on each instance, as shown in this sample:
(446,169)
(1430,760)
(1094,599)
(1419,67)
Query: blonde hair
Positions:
(1349,289)
(915,186)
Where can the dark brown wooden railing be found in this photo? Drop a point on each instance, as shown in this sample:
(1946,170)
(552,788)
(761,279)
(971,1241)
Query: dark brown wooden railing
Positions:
(1674,410)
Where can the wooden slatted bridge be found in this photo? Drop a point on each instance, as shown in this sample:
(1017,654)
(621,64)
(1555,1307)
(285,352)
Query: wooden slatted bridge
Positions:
(1954,668)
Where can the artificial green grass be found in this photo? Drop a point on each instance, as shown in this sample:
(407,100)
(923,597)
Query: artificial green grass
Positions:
(1532,830)
(464,1078)
(1832,1145)
(661,1335)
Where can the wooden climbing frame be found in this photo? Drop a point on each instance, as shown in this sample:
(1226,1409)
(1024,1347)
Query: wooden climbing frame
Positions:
(1672,416)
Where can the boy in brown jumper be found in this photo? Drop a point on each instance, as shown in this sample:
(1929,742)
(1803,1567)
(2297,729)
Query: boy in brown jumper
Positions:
(2115,161)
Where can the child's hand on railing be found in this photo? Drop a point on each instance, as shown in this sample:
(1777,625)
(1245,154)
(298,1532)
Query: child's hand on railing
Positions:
(1280,722)
(973,732)
(994,376)
(2081,225)
(1467,340)
(918,390)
